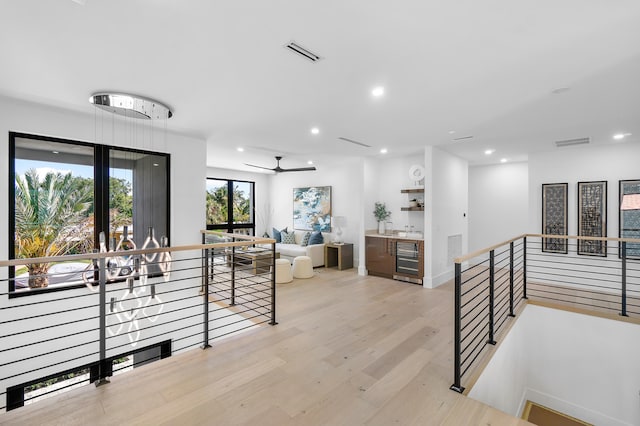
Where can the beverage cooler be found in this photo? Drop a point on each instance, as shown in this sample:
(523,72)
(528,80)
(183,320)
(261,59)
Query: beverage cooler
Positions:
(408,262)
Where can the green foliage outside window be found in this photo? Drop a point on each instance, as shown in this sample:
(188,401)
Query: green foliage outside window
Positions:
(217,206)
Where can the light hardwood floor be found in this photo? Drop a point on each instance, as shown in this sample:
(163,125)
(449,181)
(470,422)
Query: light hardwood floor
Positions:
(348,350)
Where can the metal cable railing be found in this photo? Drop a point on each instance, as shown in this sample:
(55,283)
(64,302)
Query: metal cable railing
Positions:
(97,322)
(495,281)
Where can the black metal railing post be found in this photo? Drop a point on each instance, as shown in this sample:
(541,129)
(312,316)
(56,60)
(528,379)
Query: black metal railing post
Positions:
(623,253)
(457,355)
(232,302)
(103,370)
(524,267)
(492,278)
(273,284)
(511,314)
(205,301)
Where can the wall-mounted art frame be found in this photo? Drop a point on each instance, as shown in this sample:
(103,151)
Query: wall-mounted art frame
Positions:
(629,217)
(592,217)
(312,208)
(554,216)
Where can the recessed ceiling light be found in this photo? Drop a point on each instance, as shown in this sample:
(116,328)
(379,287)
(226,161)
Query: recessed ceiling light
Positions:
(240,149)
(55,152)
(489,151)
(451,132)
(155,164)
(503,160)
(383,151)
(315,130)
(378,91)
(620,136)
(309,162)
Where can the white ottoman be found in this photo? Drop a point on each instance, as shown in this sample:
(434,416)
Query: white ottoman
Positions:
(302,267)
(283,271)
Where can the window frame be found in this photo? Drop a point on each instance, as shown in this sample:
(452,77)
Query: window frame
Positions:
(230,226)
(101,169)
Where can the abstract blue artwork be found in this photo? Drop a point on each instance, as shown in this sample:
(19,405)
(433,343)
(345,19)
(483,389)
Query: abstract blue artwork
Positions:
(312,208)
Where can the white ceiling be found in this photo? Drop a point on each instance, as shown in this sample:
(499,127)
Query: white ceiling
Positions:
(481,68)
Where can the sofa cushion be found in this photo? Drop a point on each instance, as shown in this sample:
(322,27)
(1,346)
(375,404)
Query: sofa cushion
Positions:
(288,237)
(305,239)
(290,249)
(316,238)
(277,235)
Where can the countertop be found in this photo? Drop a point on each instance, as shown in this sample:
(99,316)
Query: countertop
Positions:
(395,236)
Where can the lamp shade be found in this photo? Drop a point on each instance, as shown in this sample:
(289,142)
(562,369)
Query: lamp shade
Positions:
(340,221)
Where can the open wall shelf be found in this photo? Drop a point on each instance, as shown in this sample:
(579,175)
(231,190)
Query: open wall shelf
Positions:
(412,191)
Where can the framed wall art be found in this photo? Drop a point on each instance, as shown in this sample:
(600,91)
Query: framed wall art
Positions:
(312,208)
(629,215)
(554,216)
(592,217)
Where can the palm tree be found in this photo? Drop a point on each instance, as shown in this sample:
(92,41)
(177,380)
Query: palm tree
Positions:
(48,219)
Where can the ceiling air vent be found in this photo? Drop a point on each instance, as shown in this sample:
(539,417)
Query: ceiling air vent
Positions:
(461,138)
(570,142)
(306,53)
(354,142)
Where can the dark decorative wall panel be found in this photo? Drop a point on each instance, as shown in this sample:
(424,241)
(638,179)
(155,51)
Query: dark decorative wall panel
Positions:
(554,216)
(592,217)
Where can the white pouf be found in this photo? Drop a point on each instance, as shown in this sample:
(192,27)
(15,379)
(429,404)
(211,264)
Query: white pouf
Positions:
(302,267)
(283,271)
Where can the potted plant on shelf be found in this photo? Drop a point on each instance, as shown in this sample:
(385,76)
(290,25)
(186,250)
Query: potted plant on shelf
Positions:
(381,213)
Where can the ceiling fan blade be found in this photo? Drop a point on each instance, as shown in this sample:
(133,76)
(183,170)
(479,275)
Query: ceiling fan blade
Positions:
(259,167)
(301,169)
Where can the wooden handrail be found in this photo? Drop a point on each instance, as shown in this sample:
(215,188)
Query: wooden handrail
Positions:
(564,237)
(21,262)
(485,250)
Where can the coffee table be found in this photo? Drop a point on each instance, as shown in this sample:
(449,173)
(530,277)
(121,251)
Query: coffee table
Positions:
(261,260)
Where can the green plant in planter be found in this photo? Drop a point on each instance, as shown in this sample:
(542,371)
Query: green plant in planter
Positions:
(380,212)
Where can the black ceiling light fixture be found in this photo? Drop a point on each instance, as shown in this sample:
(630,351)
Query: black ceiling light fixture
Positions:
(279,169)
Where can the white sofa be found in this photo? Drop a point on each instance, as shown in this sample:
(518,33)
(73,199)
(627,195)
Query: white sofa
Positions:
(290,251)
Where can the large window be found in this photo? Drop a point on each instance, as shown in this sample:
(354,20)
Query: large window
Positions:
(230,206)
(65,193)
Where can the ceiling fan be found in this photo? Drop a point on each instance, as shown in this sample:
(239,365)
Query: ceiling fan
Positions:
(279,169)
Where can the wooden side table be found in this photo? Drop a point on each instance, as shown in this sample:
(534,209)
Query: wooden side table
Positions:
(340,255)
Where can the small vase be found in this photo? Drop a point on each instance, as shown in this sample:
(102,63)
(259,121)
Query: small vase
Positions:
(381,227)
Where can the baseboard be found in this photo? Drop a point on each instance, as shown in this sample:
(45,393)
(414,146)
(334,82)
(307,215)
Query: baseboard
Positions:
(433,282)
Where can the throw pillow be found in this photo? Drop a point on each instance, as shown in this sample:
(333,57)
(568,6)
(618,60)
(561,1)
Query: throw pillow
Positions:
(277,235)
(305,239)
(288,237)
(316,238)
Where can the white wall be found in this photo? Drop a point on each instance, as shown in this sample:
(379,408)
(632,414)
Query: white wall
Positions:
(187,218)
(347,192)
(498,203)
(580,365)
(391,176)
(263,207)
(188,168)
(612,163)
(446,213)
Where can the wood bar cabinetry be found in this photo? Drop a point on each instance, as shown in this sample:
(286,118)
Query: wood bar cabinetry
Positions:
(384,260)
